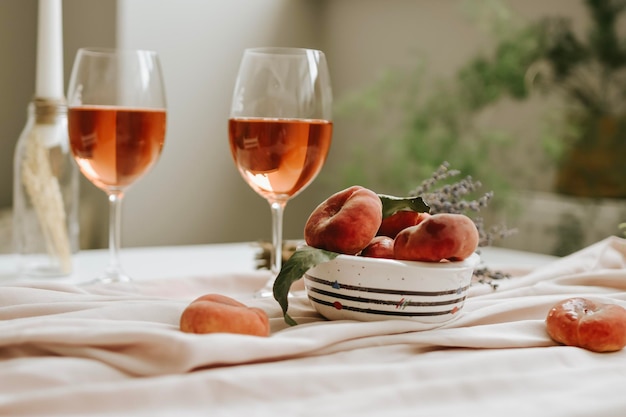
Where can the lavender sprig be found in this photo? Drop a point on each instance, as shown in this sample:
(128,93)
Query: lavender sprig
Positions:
(486,276)
(454,198)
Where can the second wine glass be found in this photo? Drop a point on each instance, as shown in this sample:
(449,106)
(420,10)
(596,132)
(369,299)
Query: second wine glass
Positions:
(116,123)
(280,128)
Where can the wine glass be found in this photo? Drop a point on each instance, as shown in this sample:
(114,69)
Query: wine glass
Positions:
(280,128)
(116,123)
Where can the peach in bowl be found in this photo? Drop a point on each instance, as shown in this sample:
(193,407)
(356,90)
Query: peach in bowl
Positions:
(372,289)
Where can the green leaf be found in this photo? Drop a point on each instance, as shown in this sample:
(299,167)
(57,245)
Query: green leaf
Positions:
(392,204)
(293,269)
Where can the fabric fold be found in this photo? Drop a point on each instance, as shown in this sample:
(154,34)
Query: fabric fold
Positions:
(137,333)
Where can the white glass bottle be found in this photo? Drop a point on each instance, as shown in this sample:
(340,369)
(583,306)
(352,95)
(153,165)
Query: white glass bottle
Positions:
(45,193)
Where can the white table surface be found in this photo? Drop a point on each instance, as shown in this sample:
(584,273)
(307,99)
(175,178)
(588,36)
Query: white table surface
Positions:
(159,262)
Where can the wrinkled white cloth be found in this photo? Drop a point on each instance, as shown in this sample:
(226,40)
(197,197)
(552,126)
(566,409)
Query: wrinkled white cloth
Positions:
(117,350)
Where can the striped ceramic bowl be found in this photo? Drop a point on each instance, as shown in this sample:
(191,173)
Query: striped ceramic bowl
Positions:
(370,289)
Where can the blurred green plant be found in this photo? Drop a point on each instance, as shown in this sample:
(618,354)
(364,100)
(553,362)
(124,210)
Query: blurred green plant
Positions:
(421,122)
(414,126)
(588,74)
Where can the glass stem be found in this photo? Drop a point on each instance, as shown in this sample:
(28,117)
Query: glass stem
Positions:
(114,270)
(278,207)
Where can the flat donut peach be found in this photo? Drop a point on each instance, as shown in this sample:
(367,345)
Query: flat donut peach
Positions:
(399,221)
(379,247)
(345,222)
(216,313)
(584,323)
(437,237)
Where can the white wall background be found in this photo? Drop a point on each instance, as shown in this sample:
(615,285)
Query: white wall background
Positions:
(195,194)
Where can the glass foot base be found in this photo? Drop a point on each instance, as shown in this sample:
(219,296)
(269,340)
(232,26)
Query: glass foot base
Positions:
(265,292)
(109,277)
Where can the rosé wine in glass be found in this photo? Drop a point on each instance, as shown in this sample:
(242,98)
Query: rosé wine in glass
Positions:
(280,128)
(279,157)
(115,146)
(116,124)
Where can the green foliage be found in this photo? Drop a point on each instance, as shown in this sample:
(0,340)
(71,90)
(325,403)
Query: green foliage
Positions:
(423,122)
(548,54)
(412,129)
(589,72)
(292,270)
(392,204)
(604,43)
(486,79)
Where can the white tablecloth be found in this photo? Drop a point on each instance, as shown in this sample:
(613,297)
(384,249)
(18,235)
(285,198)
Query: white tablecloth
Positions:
(73,349)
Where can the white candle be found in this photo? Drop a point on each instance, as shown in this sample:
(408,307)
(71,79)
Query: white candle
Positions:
(49,82)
